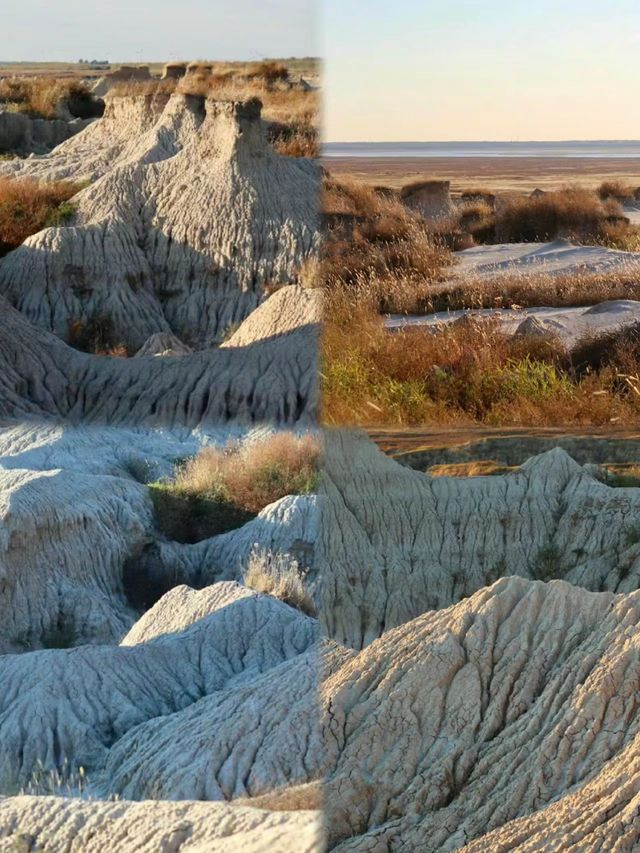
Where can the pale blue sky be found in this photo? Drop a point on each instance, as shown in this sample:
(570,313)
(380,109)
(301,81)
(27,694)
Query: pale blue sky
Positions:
(157,29)
(481,69)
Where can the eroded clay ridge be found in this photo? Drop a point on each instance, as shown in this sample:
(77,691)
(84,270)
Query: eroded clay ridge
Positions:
(78,535)
(511,713)
(397,542)
(268,373)
(190,215)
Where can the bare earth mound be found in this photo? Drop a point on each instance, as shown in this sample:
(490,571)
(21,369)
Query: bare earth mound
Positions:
(192,215)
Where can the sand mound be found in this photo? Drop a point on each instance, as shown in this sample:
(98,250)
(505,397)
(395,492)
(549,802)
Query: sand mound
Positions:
(559,257)
(272,380)
(163,344)
(193,215)
(395,543)
(88,699)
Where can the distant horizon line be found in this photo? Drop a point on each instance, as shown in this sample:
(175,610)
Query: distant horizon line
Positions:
(476,141)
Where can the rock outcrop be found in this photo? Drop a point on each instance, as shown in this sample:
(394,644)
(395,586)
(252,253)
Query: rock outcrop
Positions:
(432,199)
(506,722)
(396,542)
(20,134)
(192,216)
(94,699)
(273,380)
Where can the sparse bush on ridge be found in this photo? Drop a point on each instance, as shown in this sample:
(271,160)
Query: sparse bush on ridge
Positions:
(219,489)
(279,575)
(27,206)
(96,335)
(573,212)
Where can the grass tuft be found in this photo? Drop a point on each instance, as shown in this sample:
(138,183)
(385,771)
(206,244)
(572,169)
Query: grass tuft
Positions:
(27,206)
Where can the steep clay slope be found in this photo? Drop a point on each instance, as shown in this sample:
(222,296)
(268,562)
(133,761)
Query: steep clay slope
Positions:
(272,380)
(181,235)
(77,533)
(396,542)
(517,700)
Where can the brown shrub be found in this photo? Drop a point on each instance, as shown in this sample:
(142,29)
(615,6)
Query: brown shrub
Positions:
(41,97)
(96,335)
(615,190)
(572,212)
(27,206)
(377,247)
(221,489)
(255,474)
(269,70)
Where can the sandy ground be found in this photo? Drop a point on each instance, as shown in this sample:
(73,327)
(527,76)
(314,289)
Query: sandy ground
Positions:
(498,174)
(569,324)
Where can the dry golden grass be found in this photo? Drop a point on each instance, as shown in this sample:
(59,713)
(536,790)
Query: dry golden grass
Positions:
(468,371)
(378,248)
(573,212)
(474,468)
(527,290)
(280,577)
(27,206)
(222,489)
(254,474)
(41,97)
(616,190)
(294,798)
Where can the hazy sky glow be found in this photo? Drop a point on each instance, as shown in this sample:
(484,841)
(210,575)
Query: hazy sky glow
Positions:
(139,30)
(419,70)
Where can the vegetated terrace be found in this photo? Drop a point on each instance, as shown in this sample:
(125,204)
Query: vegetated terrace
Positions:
(381,257)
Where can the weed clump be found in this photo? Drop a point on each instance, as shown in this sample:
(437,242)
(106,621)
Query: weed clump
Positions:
(279,576)
(221,489)
(27,206)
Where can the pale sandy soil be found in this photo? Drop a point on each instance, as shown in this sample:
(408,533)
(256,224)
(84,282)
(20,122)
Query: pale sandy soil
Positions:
(498,174)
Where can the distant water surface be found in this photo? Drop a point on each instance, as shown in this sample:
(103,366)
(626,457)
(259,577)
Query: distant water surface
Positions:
(623,149)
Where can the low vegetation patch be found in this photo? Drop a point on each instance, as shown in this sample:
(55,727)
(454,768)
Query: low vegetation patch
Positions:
(381,258)
(96,335)
(221,489)
(469,371)
(45,97)
(27,206)
(279,576)
(375,247)
(473,468)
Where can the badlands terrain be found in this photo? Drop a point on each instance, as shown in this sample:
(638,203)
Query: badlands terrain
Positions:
(141,268)
(158,330)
